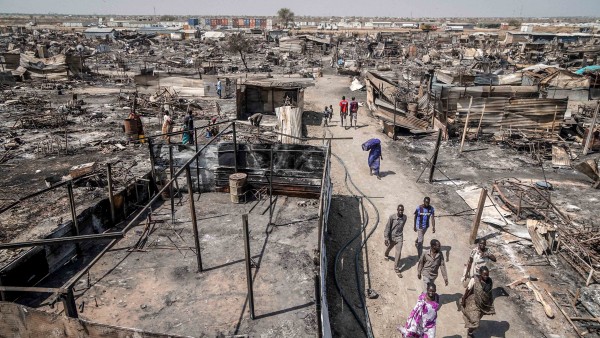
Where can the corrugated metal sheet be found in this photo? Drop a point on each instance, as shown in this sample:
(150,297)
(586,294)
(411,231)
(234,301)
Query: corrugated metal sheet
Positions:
(525,114)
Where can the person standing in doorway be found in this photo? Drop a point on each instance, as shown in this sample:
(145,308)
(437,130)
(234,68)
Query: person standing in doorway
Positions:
(430,263)
(354,113)
(424,216)
(343,110)
(219,87)
(394,236)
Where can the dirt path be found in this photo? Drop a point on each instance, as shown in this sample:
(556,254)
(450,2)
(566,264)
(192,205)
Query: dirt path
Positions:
(397,295)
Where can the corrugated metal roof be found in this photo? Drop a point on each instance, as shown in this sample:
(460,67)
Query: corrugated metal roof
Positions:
(526,114)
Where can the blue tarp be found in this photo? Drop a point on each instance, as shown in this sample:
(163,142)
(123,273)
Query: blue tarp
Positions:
(588,69)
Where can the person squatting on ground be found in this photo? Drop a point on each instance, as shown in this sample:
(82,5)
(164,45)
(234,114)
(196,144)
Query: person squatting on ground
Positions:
(354,113)
(343,110)
(374,147)
(430,263)
(424,215)
(393,236)
(480,256)
(188,129)
(167,127)
(477,300)
(422,319)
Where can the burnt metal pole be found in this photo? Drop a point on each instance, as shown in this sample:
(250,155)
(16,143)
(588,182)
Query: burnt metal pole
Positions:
(111,198)
(171,184)
(152,160)
(188,175)
(394,130)
(68,300)
(73,215)
(435,155)
(197,160)
(271,189)
(318,306)
(248,266)
(235,150)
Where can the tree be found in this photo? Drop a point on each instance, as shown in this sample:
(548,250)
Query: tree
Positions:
(514,23)
(238,43)
(286,16)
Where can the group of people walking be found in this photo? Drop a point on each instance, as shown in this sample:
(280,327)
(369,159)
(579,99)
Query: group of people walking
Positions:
(348,113)
(477,299)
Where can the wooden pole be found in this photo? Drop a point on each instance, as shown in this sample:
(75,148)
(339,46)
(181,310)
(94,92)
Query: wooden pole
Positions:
(111,198)
(68,300)
(248,265)
(477,220)
(564,314)
(464,135)
(171,192)
(435,155)
(235,150)
(480,119)
(588,140)
(554,118)
(73,215)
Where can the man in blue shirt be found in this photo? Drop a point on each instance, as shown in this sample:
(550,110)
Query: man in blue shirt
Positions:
(424,216)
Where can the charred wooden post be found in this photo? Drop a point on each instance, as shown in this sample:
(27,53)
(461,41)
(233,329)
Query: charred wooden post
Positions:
(197,160)
(188,175)
(73,215)
(235,148)
(171,193)
(248,265)
(68,300)
(435,155)
(111,199)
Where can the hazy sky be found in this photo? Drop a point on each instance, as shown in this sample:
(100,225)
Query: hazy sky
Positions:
(391,8)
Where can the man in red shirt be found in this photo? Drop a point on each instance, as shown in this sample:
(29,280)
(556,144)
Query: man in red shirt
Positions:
(343,110)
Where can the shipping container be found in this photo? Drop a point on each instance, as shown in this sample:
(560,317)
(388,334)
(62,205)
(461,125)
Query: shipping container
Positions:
(207,22)
(193,22)
(247,23)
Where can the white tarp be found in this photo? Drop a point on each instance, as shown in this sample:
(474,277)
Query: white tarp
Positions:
(356,85)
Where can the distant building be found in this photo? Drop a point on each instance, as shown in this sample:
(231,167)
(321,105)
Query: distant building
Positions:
(100,33)
(526,28)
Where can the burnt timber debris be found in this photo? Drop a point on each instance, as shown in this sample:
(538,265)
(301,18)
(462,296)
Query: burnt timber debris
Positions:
(78,179)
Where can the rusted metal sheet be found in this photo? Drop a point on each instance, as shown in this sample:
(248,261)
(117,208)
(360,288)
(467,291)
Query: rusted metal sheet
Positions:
(402,120)
(504,113)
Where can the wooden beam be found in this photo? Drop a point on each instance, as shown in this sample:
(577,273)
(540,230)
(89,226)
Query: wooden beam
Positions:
(464,135)
(565,314)
(590,135)
(477,220)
